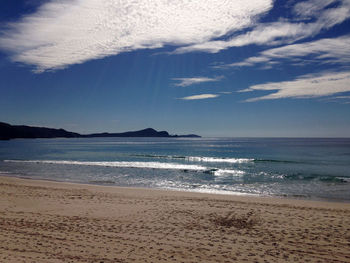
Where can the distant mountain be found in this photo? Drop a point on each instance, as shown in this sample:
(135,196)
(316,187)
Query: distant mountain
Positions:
(149,132)
(8,131)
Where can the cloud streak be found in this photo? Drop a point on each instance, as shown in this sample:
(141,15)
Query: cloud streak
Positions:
(329,50)
(307,86)
(309,18)
(200,97)
(66,32)
(184,82)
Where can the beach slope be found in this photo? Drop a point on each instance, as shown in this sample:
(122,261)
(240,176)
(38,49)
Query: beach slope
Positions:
(44,221)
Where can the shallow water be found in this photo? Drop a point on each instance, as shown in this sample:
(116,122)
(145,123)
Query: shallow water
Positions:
(305,168)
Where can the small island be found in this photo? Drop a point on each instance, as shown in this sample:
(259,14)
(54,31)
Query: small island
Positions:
(8,131)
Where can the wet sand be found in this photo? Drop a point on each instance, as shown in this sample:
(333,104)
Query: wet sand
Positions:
(44,221)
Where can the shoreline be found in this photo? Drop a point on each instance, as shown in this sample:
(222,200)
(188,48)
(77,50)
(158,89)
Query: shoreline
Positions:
(214,193)
(49,221)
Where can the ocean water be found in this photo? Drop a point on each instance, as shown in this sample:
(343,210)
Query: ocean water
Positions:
(297,168)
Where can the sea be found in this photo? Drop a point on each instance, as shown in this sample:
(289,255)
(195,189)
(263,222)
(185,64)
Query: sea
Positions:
(304,168)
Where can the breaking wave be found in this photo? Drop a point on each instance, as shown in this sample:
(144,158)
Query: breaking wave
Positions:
(225,172)
(218,160)
(150,165)
(145,165)
(198,158)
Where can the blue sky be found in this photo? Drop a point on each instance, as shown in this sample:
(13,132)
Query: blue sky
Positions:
(215,68)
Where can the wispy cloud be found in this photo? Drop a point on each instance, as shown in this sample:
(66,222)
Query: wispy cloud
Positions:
(263,34)
(200,97)
(342,97)
(307,86)
(329,50)
(184,82)
(66,32)
(337,99)
(309,18)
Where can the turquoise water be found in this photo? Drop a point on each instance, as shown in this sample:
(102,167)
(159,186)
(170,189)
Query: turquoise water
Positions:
(302,168)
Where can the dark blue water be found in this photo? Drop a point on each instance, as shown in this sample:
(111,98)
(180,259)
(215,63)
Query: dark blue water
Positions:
(303,168)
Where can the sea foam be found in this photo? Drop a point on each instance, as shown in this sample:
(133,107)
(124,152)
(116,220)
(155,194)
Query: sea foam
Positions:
(227,172)
(150,165)
(198,158)
(218,160)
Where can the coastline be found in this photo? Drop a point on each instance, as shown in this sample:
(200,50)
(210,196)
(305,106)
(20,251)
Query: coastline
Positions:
(49,221)
(213,193)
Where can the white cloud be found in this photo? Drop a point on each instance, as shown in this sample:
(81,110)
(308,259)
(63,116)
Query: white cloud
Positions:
(184,82)
(306,86)
(308,9)
(66,32)
(337,99)
(262,34)
(328,50)
(284,31)
(342,97)
(200,97)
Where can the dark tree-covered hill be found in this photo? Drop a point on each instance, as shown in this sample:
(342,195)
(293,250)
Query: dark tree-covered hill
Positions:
(8,132)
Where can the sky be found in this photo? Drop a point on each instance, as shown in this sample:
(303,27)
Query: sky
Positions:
(257,68)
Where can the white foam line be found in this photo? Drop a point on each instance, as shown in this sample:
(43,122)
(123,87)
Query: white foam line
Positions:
(151,165)
(218,160)
(222,172)
(211,191)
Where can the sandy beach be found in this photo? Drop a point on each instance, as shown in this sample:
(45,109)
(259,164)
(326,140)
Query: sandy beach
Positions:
(43,221)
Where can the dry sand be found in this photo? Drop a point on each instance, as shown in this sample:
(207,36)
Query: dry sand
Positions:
(45,221)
